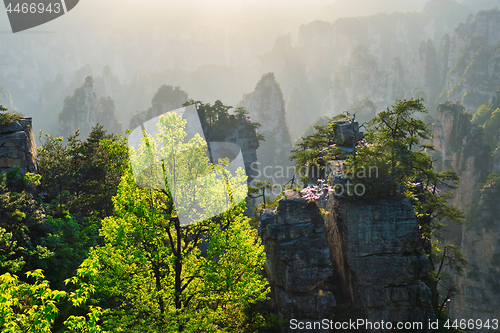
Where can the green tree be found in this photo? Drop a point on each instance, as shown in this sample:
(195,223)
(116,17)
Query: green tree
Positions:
(396,133)
(157,275)
(217,121)
(82,176)
(394,144)
(30,238)
(310,151)
(6,117)
(21,223)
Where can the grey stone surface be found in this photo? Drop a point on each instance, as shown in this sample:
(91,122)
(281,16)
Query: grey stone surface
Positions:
(17,146)
(460,147)
(298,259)
(267,107)
(366,255)
(377,259)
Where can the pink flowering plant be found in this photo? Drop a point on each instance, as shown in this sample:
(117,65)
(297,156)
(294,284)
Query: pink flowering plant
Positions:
(321,191)
(420,186)
(492,182)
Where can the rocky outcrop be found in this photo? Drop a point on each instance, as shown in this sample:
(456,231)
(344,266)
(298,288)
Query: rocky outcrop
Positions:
(479,287)
(460,147)
(242,134)
(378,259)
(366,255)
(421,75)
(84,110)
(17,147)
(385,35)
(297,259)
(166,99)
(267,107)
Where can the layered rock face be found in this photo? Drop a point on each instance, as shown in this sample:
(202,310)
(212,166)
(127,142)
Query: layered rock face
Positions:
(386,35)
(17,147)
(266,106)
(378,260)
(368,255)
(460,146)
(298,260)
(479,288)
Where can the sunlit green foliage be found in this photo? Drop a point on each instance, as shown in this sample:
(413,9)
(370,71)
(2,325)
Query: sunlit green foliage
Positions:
(217,121)
(157,276)
(310,151)
(33,307)
(392,142)
(6,117)
(31,239)
(395,144)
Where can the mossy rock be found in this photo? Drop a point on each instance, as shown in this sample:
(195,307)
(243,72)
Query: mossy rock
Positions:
(7,118)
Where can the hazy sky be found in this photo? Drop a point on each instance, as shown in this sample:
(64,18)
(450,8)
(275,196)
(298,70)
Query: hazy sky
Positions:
(118,13)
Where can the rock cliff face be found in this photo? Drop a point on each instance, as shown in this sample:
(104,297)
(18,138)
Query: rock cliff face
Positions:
(361,78)
(17,147)
(460,146)
(465,67)
(267,107)
(378,260)
(296,114)
(298,259)
(385,35)
(479,288)
(474,61)
(421,76)
(365,255)
(246,138)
